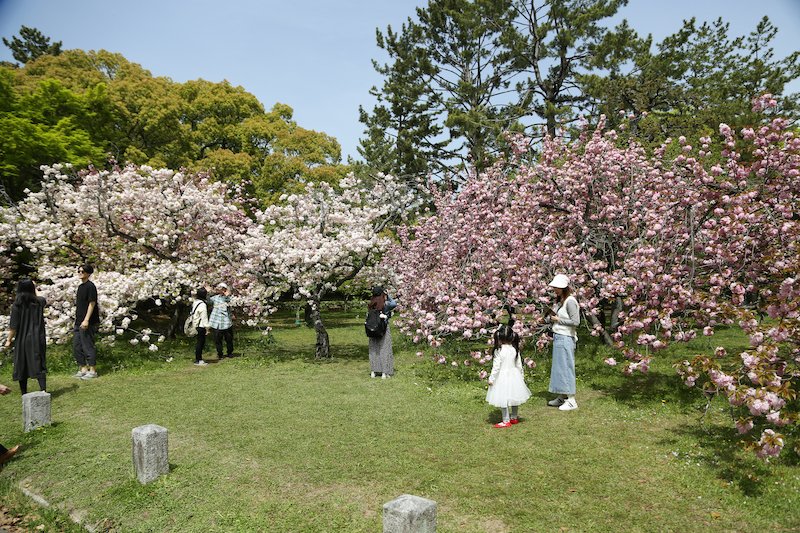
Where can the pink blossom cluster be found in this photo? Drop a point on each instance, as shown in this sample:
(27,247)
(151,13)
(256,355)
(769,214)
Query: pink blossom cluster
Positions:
(770,444)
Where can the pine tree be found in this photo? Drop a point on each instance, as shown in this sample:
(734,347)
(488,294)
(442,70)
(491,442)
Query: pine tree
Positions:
(31,44)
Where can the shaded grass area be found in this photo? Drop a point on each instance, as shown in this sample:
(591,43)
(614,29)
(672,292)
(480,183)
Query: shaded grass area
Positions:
(276,441)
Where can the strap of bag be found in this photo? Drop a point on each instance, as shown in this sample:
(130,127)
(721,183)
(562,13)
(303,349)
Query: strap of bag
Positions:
(194,309)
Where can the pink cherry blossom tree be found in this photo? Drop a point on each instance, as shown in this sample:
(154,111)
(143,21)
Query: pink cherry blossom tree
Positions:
(659,247)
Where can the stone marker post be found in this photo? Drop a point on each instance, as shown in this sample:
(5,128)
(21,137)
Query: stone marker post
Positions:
(409,514)
(150,458)
(35,410)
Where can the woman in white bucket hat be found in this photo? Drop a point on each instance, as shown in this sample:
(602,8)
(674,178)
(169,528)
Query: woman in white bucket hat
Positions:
(566,318)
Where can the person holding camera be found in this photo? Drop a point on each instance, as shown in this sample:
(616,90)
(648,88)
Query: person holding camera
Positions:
(565,319)
(381,356)
(26,330)
(221,320)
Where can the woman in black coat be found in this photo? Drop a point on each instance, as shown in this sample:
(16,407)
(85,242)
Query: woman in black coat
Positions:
(28,330)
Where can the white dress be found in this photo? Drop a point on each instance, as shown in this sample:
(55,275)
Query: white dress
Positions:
(509,383)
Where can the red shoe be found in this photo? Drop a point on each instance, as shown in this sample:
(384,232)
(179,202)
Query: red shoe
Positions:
(9,454)
(515,420)
(503,425)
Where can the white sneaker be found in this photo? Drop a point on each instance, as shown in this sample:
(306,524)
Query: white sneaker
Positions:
(372,374)
(200,363)
(89,375)
(79,374)
(384,376)
(556,402)
(568,405)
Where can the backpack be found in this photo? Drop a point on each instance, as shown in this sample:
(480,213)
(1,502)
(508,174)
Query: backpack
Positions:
(189,326)
(374,325)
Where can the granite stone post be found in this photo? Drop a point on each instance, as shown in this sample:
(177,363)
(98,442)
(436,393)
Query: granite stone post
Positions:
(35,410)
(409,514)
(150,457)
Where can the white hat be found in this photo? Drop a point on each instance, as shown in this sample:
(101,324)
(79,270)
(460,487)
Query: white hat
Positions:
(560,281)
(222,286)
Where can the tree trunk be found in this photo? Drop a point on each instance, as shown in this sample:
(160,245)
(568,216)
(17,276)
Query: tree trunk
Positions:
(595,322)
(615,314)
(323,350)
(174,321)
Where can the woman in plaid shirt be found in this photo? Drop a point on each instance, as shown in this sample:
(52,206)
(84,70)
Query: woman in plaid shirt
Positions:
(221,321)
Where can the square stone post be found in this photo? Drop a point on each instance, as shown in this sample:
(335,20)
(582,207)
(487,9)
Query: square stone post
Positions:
(150,457)
(35,410)
(409,514)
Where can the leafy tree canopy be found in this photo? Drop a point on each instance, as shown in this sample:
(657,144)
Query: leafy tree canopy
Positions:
(84,107)
(693,80)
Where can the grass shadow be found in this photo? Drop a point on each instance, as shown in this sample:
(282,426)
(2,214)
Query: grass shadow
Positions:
(660,384)
(542,394)
(495,416)
(277,352)
(62,390)
(721,450)
(350,351)
(653,388)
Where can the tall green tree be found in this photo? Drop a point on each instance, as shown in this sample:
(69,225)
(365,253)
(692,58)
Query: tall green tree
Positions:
(31,44)
(467,70)
(695,79)
(403,129)
(440,108)
(555,42)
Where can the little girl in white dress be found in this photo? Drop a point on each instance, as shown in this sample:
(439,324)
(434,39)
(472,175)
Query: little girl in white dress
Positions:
(507,387)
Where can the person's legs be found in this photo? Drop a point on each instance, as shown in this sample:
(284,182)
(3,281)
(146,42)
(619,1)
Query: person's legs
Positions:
(374,361)
(570,389)
(89,349)
(506,421)
(228,333)
(77,351)
(514,412)
(562,371)
(23,386)
(199,345)
(85,352)
(387,354)
(218,342)
(42,383)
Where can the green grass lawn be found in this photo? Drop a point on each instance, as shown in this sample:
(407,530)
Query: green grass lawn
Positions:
(275,441)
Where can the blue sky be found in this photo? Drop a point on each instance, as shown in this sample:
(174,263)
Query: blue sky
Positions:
(314,55)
